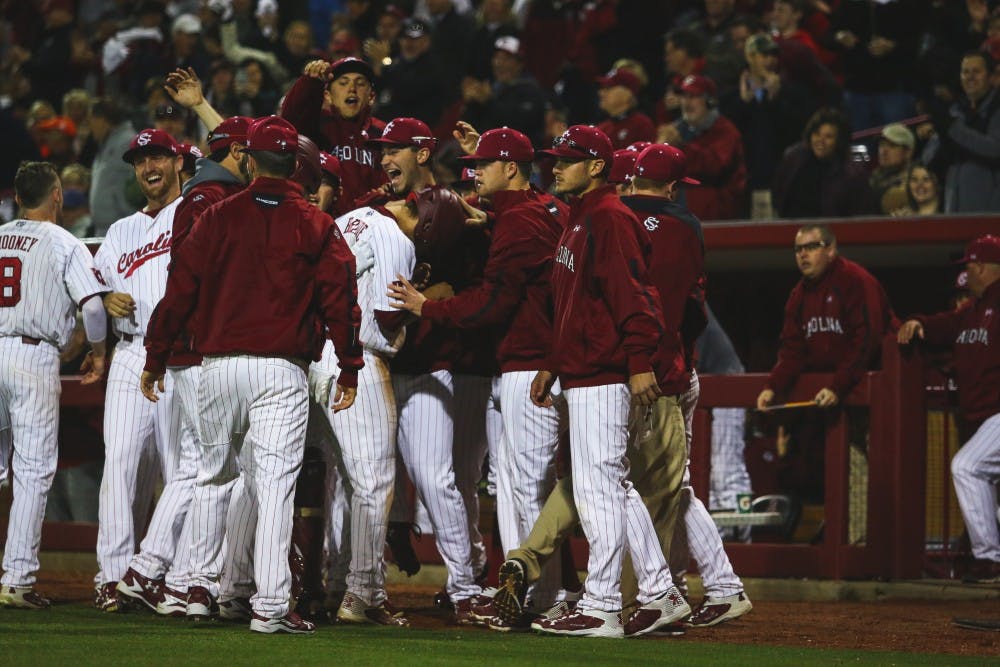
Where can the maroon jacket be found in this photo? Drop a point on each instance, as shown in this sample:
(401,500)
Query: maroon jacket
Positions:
(515,291)
(607,323)
(715,157)
(195,202)
(834,324)
(677,269)
(628,129)
(347,140)
(265,271)
(974,331)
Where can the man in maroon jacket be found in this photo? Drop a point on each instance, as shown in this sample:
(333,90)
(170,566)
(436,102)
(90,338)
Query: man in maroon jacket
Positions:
(259,277)
(974,332)
(514,294)
(619,98)
(607,328)
(331,103)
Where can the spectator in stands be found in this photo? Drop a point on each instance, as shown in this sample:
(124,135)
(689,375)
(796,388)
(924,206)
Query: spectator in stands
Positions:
(618,93)
(76,207)
(221,93)
(46,63)
(363,15)
(513,99)
(76,107)
(723,61)
(683,55)
(255,89)
(973,134)
(451,39)
(714,151)
(923,193)
(113,133)
(895,152)
(494,19)
(296,47)
(57,135)
(768,111)
(173,119)
(416,84)
(240,39)
(187,47)
(786,17)
(343,44)
(815,178)
(383,48)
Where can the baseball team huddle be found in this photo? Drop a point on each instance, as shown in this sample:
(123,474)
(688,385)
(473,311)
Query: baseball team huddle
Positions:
(305,336)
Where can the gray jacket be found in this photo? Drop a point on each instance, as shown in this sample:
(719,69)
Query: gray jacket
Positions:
(109,175)
(973,181)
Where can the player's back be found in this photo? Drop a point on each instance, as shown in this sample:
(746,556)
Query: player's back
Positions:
(39,288)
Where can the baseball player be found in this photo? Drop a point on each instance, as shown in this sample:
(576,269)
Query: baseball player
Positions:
(331,103)
(974,332)
(514,293)
(261,273)
(157,575)
(133,260)
(607,328)
(45,274)
(623,165)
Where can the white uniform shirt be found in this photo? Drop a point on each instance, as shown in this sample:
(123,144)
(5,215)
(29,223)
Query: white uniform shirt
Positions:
(45,272)
(133,259)
(394,254)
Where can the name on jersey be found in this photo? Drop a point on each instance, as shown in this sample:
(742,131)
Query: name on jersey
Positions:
(823,325)
(565,257)
(130,261)
(355,154)
(17,242)
(355,227)
(973,336)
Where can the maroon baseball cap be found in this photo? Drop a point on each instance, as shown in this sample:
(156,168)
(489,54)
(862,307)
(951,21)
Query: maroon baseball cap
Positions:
(272,134)
(190,153)
(467,175)
(150,140)
(502,144)
(620,77)
(407,132)
(232,129)
(663,163)
(621,168)
(582,142)
(696,84)
(330,165)
(984,249)
(351,65)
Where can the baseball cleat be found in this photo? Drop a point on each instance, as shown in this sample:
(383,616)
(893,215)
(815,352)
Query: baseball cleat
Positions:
(200,604)
(982,571)
(509,598)
(141,588)
(463,612)
(290,623)
(173,603)
(354,610)
(106,597)
(719,610)
(583,623)
(22,597)
(669,609)
(235,609)
(398,540)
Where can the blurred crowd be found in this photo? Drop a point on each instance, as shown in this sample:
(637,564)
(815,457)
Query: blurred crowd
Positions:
(785,108)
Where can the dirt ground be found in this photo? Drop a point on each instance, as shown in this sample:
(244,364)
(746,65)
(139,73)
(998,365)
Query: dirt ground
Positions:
(913,626)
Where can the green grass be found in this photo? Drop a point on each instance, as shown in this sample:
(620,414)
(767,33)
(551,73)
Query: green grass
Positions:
(76,635)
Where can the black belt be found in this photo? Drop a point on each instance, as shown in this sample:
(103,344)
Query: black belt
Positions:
(28,340)
(128,338)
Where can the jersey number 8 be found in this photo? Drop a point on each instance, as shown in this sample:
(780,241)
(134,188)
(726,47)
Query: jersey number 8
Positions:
(10,282)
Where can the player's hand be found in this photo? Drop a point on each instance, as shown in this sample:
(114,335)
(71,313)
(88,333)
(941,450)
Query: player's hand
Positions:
(439,292)
(119,304)
(92,368)
(765,398)
(909,330)
(541,388)
(317,69)
(826,398)
(184,87)
(645,390)
(364,257)
(466,136)
(146,382)
(344,398)
(405,296)
(320,383)
(474,216)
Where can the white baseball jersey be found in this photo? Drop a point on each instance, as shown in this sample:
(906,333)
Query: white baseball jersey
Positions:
(133,259)
(44,273)
(395,255)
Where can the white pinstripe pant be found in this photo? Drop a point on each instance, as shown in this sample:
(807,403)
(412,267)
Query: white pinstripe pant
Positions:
(132,426)
(729,467)
(29,420)
(612,514)
(472,411)
(261,402)
(426,436)
(975,470)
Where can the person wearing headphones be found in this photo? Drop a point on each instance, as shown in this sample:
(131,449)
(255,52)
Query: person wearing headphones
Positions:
(714,151)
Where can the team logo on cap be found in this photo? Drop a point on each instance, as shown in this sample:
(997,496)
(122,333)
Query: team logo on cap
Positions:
(144,138)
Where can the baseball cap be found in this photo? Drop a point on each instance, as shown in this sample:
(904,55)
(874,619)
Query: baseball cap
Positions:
(330,165)
(582,142)
(416,28)
(899,134)
(272,134)
(62,124)
(637,146)
(502,144)
(407,132)
(467,175)
(984,249)
(308,164)
(232,129)
(620,77)
(663,163)
(762,44)
(150,140)
(188,24)
(621,168)
(696,84)
(190,153)
(509,44)
(167,111)
(350,65)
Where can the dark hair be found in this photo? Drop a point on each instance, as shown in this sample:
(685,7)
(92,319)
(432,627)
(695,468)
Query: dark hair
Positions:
(830,116)
(826,235)
(906,184)
(687,40)
(33,183)
(220,154)
(269,163)
(749,21)
(109,109)
(984,56)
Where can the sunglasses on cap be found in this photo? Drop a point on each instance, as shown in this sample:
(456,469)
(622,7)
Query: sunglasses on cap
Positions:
(572,145)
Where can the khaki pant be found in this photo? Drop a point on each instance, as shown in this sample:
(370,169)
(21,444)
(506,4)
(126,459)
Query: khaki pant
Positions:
(657,454)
